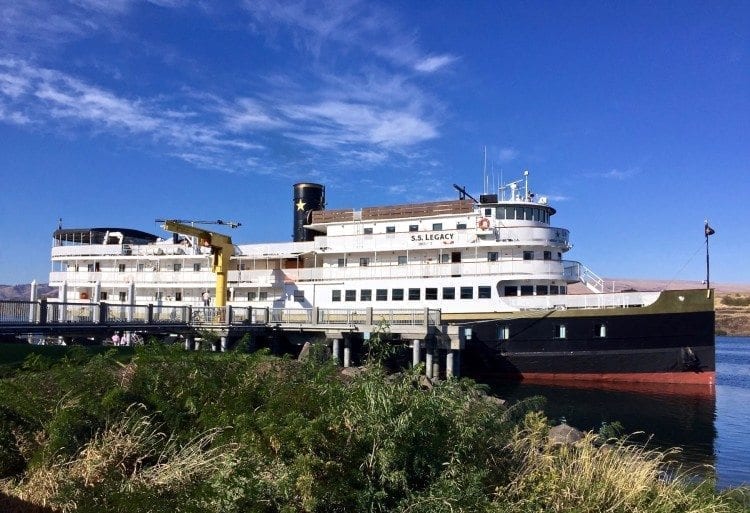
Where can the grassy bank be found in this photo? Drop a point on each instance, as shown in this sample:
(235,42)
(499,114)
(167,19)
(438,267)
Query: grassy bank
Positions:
(174,431)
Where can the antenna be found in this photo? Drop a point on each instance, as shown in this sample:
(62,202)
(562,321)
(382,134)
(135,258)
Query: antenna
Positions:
(484,176)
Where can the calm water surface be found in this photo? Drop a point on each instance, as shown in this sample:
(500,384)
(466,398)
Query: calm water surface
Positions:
(711,425)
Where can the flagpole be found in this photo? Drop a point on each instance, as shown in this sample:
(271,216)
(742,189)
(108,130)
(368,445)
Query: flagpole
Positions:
(707,230)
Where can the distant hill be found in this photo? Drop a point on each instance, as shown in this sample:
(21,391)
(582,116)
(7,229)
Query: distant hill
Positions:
(23,291)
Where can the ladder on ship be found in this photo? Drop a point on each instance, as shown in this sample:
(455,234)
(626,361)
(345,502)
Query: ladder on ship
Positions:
(589,278)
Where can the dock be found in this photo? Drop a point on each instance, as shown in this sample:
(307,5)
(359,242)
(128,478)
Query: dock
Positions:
(342,329)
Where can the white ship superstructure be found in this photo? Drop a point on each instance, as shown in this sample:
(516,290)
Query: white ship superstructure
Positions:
(464,257)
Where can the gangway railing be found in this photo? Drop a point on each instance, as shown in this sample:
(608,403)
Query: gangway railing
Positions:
(576,271)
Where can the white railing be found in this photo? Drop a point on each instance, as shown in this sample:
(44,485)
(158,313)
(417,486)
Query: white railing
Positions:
(576,301)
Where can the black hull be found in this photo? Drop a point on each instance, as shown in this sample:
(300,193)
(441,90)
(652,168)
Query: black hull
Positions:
(640,345)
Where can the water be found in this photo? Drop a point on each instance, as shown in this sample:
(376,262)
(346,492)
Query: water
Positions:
(709,425)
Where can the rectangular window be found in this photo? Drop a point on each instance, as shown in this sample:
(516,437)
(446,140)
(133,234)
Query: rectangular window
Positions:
(492,256)
(449,293)
(445,258)
(368,230)
(102,296)
(336,296)
(487,212)
(178,296)
(177,268)
(503,332)
(500,213)
(381,295)
(299,296)
(365,295)
(467,292)
(390,229)
(510,290)
(90,268)
(397,295)
(437,226)
(431,293)
(542,290)
(559,331)
(563,289)
(402,260)
(123,296)
(601,331)
(527,290)
(364,261)
(252,296)
(548,255)
(351,295)
(528,255)
(263,296)
(460,226)
(484,292)
(554,290)
(121,268)
(341,262)
(413,227)
(414,294)
(196,267)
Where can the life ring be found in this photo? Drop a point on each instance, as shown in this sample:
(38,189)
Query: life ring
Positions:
(83,295)
(483,223)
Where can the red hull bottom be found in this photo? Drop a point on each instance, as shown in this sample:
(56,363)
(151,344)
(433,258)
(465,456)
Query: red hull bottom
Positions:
(684,378)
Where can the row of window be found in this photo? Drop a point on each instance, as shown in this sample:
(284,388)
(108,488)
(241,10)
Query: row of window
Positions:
(559,331)
(528,290)
(538,214)
(413,228)
(95,268)
(412,294)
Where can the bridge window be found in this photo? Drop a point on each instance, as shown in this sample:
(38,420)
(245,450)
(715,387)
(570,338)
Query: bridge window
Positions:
(413,227)
(449,293)
(492,256)
(484,292)
(381,295)
(528,255)
(542,290)
(467,292)
(335,295)
(414,294)
(365,295)
(510,290)
(554,290)
(527,290)
(559,331)
(351,295)
(397,295)
(196,267)
(487,212)
(431,293)
(503,332)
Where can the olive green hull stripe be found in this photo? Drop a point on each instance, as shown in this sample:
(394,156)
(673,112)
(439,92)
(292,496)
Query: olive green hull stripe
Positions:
(669,302)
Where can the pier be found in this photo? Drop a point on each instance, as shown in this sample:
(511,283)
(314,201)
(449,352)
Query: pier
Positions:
(343,329)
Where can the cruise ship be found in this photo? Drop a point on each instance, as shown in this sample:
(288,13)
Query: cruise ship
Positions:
(495,266)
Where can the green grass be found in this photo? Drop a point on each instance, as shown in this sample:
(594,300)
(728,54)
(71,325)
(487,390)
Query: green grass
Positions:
(12,356)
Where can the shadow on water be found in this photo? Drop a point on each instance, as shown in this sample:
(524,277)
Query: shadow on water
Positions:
(662,417)
(709,424)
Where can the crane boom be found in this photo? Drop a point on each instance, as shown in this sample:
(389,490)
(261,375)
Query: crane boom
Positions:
(221,246)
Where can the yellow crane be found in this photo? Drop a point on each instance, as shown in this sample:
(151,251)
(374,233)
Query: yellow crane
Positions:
(221,246)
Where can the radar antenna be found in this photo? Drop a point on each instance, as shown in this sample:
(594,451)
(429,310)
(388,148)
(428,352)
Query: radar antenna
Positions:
(231,224)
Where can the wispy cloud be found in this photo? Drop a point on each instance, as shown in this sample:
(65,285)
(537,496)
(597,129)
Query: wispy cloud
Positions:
(619,174)
(507,154)
(434,63)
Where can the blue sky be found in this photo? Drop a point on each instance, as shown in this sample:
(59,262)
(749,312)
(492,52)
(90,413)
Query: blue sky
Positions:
(632,117)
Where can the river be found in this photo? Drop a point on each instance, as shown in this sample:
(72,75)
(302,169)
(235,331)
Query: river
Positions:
(709,424)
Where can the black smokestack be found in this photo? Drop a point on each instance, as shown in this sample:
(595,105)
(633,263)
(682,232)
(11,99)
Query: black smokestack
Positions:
(308,197)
